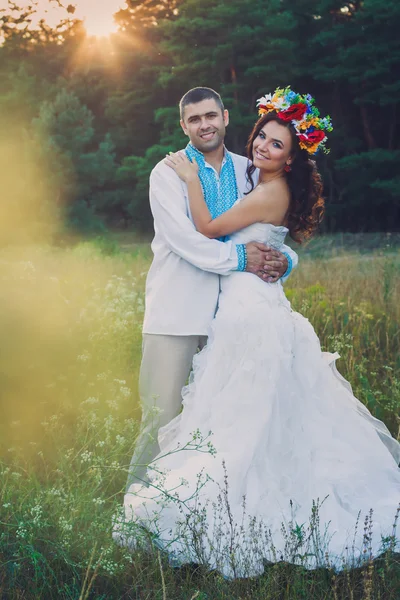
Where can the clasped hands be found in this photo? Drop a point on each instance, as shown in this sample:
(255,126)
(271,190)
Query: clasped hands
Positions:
(265,262)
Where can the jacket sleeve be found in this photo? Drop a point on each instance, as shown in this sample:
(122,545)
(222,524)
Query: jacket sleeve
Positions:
(168,206)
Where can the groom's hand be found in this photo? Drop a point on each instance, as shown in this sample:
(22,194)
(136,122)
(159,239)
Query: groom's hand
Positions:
(265,262)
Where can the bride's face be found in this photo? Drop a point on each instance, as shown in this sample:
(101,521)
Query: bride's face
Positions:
(272,148)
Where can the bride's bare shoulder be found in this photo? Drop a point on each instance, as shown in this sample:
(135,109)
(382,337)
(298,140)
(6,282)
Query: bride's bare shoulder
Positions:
(273,198)
(276,190)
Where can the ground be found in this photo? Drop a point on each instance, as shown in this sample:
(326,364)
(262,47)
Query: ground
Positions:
(70,323)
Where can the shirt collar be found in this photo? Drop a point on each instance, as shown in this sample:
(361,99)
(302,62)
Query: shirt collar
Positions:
(200,155)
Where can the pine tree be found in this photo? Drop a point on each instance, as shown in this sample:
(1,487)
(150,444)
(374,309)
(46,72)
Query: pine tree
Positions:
(360,59)
(78,169)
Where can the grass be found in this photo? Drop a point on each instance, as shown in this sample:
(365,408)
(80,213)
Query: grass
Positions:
(70,323)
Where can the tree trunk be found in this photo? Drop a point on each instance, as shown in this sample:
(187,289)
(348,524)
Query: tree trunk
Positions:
(392,128)
(367,130)
(234,81)
(235,138)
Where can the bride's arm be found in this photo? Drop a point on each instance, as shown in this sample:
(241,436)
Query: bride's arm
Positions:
(254,208)
(265,203)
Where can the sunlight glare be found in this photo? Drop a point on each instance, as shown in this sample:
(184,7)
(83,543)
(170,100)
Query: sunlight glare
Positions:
(98,17)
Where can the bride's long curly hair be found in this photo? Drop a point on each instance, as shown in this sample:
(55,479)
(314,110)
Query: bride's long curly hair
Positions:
(306,208)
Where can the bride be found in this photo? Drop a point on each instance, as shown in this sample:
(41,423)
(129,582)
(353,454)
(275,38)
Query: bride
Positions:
(272,456)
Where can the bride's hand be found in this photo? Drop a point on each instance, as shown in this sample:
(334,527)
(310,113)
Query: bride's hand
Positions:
(180,163)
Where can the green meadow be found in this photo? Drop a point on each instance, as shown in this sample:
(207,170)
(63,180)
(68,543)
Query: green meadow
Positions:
(70,323)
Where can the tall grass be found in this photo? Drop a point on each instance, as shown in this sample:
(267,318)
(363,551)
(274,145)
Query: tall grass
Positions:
(70,323)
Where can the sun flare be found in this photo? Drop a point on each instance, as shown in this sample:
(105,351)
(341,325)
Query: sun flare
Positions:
(97,15)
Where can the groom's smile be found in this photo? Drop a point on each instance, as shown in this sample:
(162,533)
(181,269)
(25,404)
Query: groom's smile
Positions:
(207,136)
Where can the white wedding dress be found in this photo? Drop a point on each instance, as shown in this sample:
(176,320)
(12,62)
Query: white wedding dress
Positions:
(298,460)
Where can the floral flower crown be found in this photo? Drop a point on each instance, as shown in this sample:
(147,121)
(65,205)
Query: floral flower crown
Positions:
(300,112)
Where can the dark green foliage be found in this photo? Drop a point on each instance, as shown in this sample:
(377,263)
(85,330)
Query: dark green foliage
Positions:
(79,170)
(370,180)
(116,102)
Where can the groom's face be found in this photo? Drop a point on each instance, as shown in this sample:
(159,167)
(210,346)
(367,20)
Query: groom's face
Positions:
(204,123)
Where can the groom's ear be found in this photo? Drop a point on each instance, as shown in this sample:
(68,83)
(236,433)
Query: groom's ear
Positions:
(182,124)
(226,117)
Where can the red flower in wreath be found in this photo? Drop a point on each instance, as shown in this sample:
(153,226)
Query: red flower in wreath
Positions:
(293,113)
(314,137)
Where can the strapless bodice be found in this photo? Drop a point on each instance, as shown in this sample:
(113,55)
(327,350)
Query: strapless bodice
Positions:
(272,235)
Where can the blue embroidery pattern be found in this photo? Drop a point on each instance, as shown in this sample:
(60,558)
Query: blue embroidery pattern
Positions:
(242,257)
(220,193)
(290,266)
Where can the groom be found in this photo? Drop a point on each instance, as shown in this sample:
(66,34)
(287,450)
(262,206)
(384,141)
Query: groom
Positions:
(182,285)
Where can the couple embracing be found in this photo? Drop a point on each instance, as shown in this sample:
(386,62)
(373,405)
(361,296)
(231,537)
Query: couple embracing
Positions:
(270,436)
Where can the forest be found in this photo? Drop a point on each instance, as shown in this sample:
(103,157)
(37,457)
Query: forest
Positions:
(85,119)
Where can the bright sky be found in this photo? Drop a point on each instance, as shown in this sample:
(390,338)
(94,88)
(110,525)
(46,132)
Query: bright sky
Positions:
(97,14)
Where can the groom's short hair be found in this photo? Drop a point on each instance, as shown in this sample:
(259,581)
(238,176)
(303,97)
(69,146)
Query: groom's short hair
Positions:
(198,94)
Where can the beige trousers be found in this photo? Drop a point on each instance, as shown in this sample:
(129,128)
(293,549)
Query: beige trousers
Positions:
(165,367)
